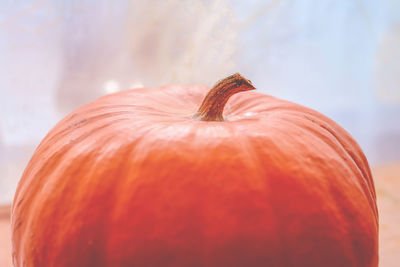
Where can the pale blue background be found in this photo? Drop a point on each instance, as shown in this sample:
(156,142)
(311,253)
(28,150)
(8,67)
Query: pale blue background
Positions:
(340,57)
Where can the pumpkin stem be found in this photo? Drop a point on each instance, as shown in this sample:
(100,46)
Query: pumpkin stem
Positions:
(213,104)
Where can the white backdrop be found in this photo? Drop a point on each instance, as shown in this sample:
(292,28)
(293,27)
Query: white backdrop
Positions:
(339,57)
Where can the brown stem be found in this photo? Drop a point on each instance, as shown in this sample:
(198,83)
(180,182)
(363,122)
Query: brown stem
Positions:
(213,104)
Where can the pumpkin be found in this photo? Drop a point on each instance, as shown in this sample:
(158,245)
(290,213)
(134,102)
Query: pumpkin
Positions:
(179,176)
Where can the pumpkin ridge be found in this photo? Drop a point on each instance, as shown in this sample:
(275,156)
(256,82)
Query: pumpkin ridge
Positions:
(364,175)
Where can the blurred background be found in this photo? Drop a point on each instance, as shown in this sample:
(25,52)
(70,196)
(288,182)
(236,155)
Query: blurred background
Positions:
(341,58)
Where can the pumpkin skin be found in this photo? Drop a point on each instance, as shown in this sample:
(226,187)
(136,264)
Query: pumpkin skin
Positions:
(133,179)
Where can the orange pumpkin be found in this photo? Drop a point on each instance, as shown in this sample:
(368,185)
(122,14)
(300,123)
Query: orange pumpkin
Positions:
(147,178)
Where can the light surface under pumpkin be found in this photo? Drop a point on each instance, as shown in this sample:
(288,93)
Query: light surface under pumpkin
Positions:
(147,178)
